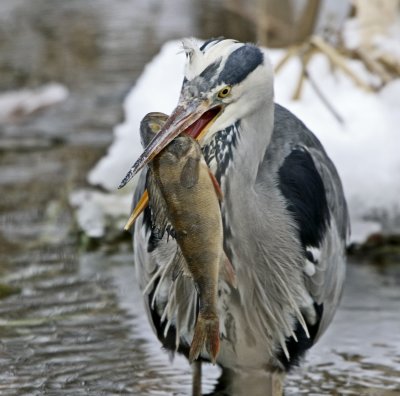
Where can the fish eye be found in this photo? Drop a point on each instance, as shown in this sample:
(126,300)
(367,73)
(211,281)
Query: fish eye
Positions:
(155,127)
(224,92)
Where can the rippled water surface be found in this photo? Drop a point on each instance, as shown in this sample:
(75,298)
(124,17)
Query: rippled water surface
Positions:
(71,317)
(76,326)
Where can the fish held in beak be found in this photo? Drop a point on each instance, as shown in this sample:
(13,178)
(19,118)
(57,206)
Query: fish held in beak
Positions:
(193,119)
(150,126)
(177,178)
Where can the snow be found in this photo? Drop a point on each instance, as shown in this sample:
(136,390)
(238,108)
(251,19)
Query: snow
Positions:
(15,104)
(365,148)
(93,208)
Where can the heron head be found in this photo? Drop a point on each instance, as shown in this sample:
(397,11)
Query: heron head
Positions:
(225,81)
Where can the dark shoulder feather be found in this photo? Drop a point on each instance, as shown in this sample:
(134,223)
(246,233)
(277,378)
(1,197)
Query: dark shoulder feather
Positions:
(302,186)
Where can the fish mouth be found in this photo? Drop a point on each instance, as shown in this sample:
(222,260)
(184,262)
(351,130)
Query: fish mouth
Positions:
(194,119)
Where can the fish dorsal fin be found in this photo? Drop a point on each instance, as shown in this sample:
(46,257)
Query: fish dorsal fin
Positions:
(190,172)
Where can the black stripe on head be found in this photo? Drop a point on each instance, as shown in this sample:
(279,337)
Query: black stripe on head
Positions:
(211,70)
(240,64)
(212,40)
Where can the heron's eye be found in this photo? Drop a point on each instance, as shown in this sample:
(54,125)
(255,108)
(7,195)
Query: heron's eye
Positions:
(224,92)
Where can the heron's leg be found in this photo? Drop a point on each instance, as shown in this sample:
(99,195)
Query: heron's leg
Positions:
(196,378)
(254,383)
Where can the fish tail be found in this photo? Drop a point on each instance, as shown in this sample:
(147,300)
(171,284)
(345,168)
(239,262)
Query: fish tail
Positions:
(206,332)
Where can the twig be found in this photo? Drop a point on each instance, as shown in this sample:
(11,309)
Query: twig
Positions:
(305,57)
(323,98)
(338,60)
(291,51)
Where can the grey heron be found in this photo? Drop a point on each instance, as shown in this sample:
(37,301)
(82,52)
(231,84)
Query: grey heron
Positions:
(284,214)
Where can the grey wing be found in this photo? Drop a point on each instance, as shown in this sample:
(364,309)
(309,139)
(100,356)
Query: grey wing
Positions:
(314,200)
(326,284)
(312,188)
(311,185)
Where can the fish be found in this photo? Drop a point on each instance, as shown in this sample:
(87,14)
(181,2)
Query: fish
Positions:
(184,195)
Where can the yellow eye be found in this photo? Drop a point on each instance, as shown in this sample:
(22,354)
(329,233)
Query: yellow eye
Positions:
(224,92)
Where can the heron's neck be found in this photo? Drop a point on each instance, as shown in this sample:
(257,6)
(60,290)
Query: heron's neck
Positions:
(239,180)
(236,151)
(255,133)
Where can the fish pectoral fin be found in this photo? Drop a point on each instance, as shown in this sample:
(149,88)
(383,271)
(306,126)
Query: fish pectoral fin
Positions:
(228,272)
(216,185)
(190,172)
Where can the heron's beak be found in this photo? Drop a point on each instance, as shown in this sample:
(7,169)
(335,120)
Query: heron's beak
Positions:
(194,119)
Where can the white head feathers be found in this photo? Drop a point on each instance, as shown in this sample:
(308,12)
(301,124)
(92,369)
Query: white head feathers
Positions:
(199,55)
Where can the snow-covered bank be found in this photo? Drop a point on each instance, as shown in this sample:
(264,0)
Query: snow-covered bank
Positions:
(364,149)
(95,210)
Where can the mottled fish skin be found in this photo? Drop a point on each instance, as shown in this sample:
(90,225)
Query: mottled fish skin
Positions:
(179,181)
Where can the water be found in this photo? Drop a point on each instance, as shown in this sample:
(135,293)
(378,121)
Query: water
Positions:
(77,326)
(71,317)
(360,352)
